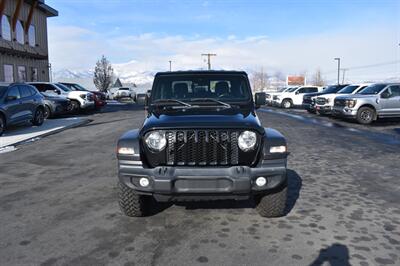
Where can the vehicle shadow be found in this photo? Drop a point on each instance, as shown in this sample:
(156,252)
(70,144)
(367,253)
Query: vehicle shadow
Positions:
(294,187)
(336,255)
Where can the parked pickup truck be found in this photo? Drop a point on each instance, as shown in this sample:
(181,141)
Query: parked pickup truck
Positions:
(294,97)
(309,98)
(375,101)
(202,140)
(324,103)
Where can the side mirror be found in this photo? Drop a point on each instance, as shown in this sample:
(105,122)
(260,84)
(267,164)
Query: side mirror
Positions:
(141,99)
(11,98)
(57,91)
(260,99)
(297,92)
(385,95)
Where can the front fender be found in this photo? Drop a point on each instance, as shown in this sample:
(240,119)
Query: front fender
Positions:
(130,139)
(273,138)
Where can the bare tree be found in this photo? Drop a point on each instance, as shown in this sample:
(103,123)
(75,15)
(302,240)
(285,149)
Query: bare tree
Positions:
(103,74)
(259,80)
(317,78)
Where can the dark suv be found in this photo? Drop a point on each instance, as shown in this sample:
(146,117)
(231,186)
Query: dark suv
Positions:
(202,140)
(20,103)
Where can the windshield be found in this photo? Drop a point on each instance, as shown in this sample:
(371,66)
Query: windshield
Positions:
(76,87)
(332,89)
(348,89)
(291,89)
(187,87)
(3,90)
(372,89)
(63,87)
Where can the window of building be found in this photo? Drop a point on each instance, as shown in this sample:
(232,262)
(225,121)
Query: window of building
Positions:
(32,35)
(34,74)
(19,32)
(21,73)
(5,28)
(8,73)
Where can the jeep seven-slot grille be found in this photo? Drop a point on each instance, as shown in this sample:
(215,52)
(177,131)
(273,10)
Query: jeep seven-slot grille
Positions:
(202,147)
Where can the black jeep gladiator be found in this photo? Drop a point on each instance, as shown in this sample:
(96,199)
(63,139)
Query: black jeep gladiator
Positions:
(202,140)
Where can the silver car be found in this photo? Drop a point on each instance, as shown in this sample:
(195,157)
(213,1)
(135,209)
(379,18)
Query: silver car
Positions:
(375,101)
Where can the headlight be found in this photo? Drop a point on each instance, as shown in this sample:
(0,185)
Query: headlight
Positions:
(247,140)
(278,149)
(156,140)
(351,103)
(83,96)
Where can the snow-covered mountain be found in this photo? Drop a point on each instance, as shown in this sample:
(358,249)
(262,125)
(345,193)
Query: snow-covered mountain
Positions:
(126,72)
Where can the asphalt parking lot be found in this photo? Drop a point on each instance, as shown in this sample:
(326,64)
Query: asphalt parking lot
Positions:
(59,204)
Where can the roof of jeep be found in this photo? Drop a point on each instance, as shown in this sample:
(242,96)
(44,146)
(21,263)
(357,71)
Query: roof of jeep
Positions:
(200,72)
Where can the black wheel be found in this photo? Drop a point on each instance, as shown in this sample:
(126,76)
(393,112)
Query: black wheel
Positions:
(287,104)
(47,112)
(75,107)
(311,111)
(273,205)
(131,203)
(38,119)
(365,115)
(2,125)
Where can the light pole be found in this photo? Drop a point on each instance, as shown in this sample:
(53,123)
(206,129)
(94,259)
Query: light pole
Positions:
(209,59)
(338,70)
(170,65)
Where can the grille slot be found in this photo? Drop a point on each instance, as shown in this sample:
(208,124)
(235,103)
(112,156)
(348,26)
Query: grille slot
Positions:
(202,147)
(340,102)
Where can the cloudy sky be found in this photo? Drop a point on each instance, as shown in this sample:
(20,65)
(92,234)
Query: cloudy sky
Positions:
(281,36)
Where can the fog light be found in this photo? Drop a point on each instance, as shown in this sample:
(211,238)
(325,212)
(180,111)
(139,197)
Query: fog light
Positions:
(261,181)
(144,182)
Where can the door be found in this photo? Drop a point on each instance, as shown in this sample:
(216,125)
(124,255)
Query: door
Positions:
(28,102)
(12,105)
(299,94)
(390,104)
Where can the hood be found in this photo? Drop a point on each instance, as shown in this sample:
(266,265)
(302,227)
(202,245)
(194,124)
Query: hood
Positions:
(313,94)
(357,96)
(330,95)
(230,118)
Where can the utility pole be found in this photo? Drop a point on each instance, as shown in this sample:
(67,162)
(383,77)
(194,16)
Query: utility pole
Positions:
(209,59)
(338,70)
(170,65)
(344,72)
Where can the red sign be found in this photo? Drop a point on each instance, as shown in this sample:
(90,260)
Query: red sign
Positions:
(295,80)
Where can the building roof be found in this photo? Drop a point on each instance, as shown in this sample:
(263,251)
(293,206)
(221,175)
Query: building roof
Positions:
(50,12)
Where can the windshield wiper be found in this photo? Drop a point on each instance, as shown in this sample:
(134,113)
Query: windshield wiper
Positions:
(161,102)
(226,105)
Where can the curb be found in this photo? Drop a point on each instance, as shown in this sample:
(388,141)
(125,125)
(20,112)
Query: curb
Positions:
(22,142)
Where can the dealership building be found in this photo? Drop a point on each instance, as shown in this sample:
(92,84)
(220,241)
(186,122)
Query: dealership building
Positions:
(23,40)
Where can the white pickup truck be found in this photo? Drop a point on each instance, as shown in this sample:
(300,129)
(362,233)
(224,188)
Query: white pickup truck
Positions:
(324,103)
(294,96)
(79,99)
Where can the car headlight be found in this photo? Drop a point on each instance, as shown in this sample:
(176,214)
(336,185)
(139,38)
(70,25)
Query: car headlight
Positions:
(351,103)
(247,140)
(83,96)
(155,140)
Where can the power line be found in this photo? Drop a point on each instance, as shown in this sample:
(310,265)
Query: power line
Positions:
(366,66)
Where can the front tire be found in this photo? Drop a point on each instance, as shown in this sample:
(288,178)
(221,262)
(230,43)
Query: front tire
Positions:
(273,205)
(2,124)
(47,112)
(365,115)
(287,104)
(76,107)
(131,203)
(38,119)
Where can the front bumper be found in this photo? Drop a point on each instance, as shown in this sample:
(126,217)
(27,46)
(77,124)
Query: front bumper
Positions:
(237,182)
(87,104)
(344,112)
(323,109)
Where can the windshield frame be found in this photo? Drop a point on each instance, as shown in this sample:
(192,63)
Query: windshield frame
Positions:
(181,77)
(383,86)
